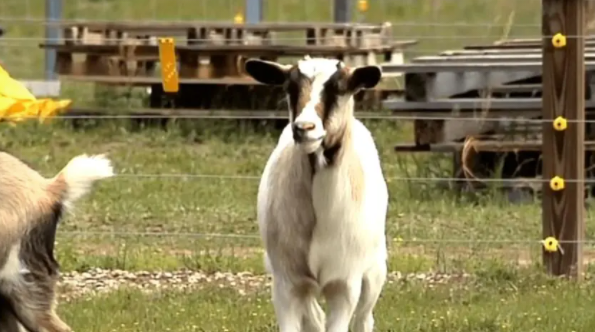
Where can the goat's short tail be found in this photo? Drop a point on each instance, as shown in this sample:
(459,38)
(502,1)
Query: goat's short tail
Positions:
(75,180)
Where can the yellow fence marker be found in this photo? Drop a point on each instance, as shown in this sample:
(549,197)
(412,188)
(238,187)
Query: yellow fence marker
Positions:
(557,183)
(363,6)
(559,40)
(169,71)
(550,244)
(239,18)
(560,123)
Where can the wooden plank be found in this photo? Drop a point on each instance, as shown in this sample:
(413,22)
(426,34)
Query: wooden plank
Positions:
(465,67)
(429,86)
(148,81)
(141,81)
(471,104)
(514,88)
(536,50)
(91,112)
(518,41)
(563,152)
(210,49)
(518,58)
(485,146)
(156,25)
(589,43)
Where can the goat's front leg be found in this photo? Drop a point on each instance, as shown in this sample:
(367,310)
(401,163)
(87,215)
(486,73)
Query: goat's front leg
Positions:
(342,298)
(372,285)
(288,307)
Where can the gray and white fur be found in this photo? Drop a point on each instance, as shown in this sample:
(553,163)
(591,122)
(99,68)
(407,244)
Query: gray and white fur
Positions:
(323,199)
(30,208)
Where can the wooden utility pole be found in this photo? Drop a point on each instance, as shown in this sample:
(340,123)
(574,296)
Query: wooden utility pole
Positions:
(563,149)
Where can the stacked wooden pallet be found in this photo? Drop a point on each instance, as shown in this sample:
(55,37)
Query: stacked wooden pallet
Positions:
(489,92)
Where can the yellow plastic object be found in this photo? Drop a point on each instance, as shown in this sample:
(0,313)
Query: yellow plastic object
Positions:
(559,40)
(560,124)
(17,103)
(239,18)
(550,244)
(363,5)
(169,71)
(557,183)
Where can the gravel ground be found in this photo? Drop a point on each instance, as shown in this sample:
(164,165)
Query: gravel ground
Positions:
(97,281)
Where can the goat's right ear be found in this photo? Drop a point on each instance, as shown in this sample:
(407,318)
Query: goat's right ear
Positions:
(267,72)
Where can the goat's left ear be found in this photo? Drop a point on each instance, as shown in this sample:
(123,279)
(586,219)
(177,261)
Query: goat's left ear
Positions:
(364,78)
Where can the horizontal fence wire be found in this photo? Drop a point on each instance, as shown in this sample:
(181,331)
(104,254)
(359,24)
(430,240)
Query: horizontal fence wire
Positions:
(392,178)
(282,39)
(256,236)
(172,113)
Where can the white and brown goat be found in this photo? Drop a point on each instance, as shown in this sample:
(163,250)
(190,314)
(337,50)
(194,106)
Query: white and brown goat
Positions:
(30,208)
(323,200)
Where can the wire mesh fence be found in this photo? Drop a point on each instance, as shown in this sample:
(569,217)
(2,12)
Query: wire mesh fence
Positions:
(438,24)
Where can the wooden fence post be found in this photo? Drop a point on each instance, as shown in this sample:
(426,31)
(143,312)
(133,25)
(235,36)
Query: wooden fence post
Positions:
(563,150)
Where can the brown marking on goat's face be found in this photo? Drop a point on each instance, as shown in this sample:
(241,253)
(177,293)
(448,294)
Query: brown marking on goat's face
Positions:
(299,88)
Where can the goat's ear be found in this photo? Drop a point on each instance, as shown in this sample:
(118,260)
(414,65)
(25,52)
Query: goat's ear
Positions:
(364,78)
(267,72)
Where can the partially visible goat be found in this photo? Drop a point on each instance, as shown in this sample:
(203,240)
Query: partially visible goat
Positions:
(30,208)
(323,199)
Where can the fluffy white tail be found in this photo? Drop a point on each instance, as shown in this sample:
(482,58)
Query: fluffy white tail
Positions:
(79,175)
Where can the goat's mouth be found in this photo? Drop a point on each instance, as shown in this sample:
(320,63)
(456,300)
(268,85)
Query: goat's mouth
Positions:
(308,139)
(308,143)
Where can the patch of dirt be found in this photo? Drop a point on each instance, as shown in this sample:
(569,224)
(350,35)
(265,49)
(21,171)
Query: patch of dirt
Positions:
(98,281)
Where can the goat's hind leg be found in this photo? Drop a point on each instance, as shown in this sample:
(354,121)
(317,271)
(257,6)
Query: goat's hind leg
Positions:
(8,321)
(372,285)
(34,307)
(288,307)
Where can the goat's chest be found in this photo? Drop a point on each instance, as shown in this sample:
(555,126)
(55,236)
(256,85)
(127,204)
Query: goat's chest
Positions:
(340,239)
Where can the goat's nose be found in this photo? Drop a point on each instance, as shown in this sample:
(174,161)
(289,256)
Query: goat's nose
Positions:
(304,126)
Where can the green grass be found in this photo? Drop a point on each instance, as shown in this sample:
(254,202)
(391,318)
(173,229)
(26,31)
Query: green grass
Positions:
(212,219)
(208,224)
(524,303)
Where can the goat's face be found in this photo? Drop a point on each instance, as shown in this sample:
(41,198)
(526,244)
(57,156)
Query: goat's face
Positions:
(320,94)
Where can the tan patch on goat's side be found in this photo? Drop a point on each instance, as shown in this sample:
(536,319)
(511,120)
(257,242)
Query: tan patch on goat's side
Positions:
(347,155)
(355,173)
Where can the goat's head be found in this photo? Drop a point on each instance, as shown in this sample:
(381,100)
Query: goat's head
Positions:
(320,94)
